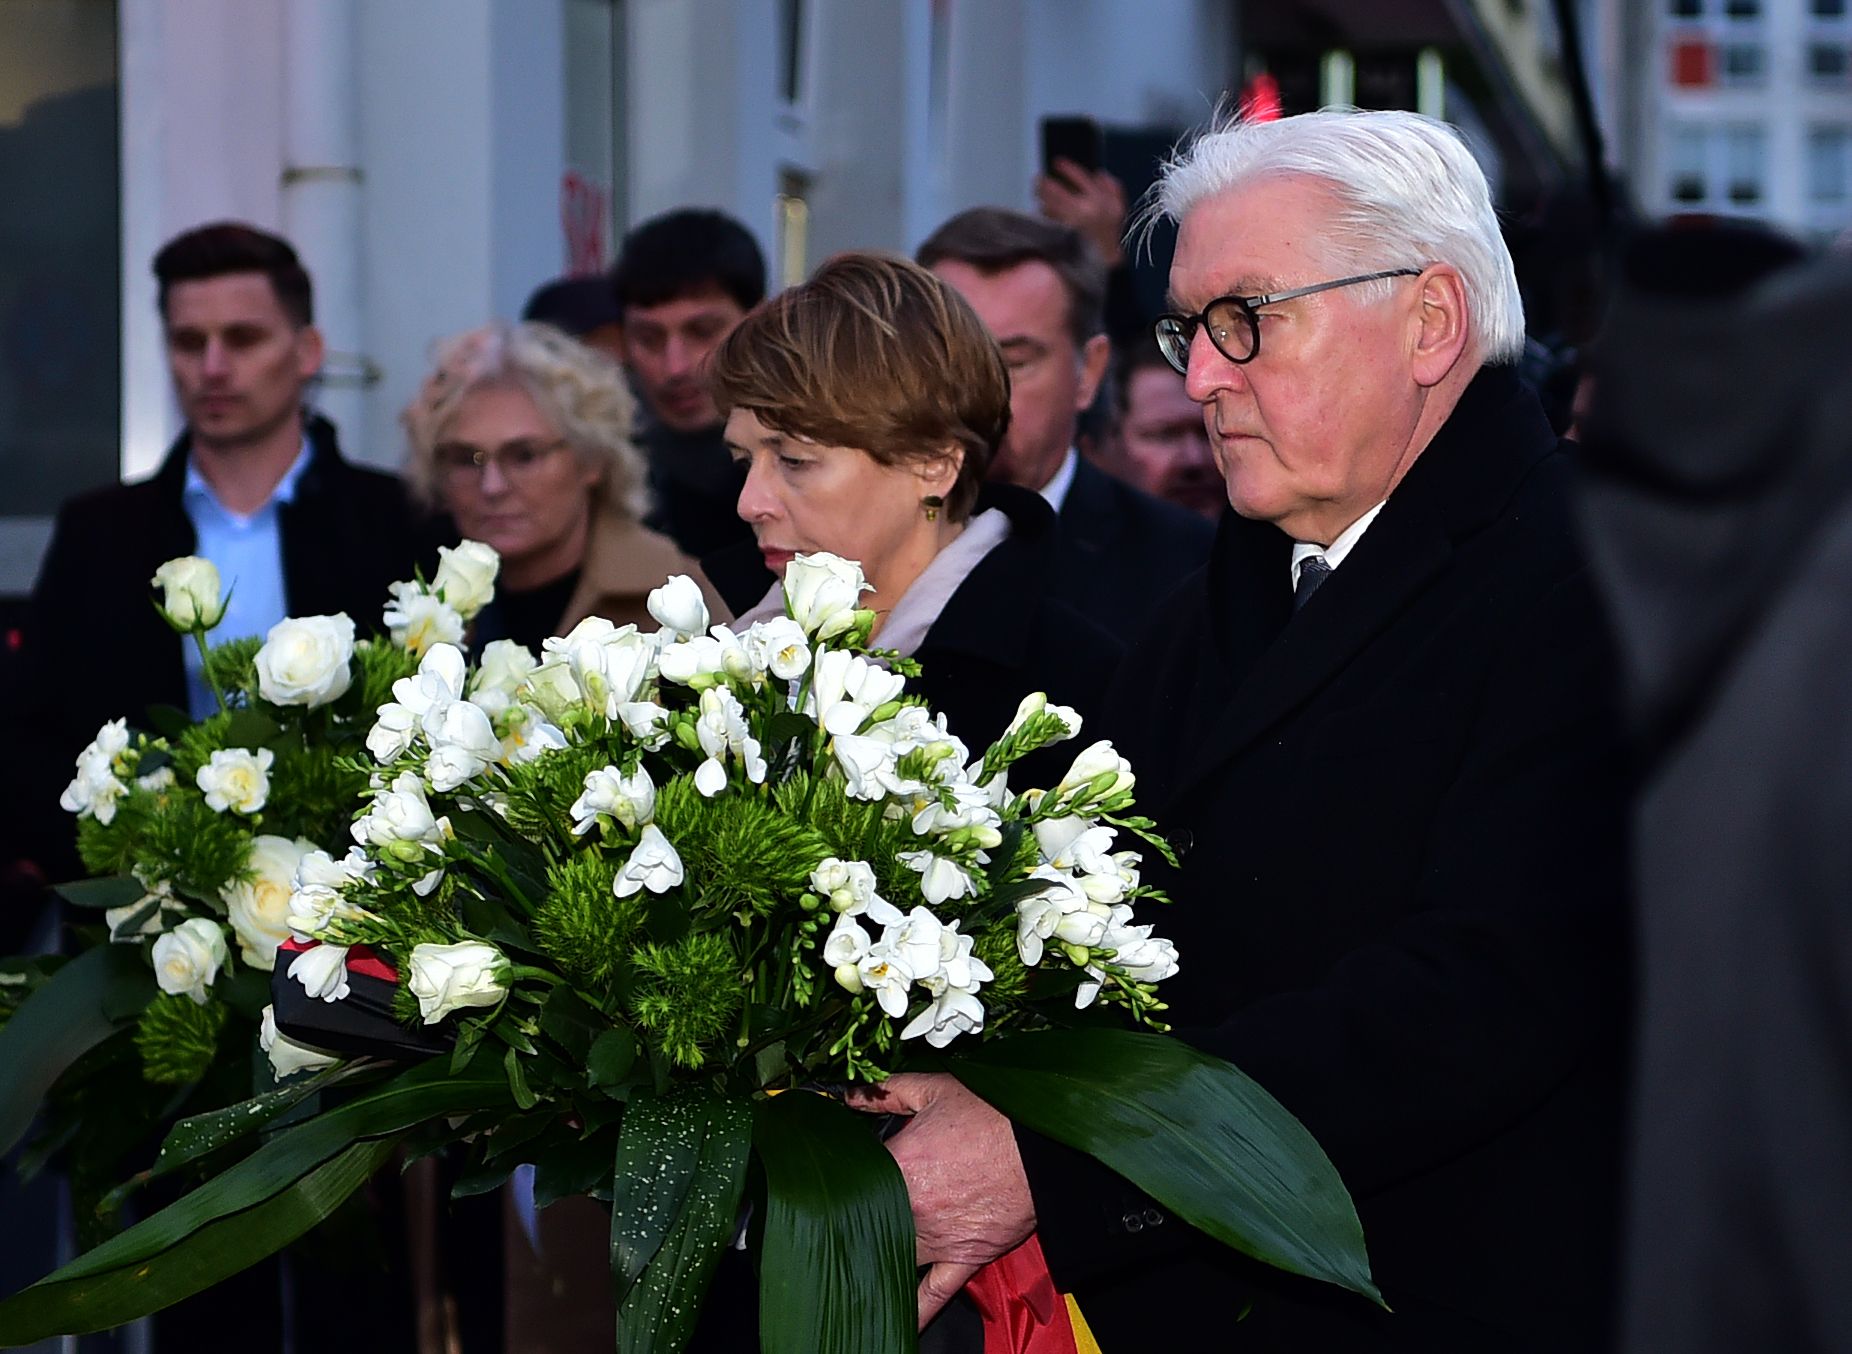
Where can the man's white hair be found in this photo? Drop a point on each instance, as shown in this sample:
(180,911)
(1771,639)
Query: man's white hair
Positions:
(1409,194)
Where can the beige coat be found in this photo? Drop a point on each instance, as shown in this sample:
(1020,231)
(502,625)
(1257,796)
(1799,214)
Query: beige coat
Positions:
(624,560)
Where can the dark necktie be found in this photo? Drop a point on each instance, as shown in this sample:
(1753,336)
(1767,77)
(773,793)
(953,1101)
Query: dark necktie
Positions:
(1313,571)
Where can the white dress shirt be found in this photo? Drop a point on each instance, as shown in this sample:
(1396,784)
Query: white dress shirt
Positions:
(1335,552)
(1055,491)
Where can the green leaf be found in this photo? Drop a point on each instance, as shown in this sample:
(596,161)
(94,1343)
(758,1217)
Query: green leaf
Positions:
(170,721)
(115,891)
(70,1013)
(1190,1130)
(123,1292)
(577,1166)
(425,1092)
(250,729)
(201,1134)
(523,1094)
(570,1023)
(838,1266)
(681,1165)
(612,1055)
(469,1038)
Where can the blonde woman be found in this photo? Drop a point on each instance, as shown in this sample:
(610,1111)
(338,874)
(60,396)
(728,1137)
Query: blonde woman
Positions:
(523,436)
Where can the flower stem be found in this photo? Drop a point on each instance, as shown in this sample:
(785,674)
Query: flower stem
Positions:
(205,668)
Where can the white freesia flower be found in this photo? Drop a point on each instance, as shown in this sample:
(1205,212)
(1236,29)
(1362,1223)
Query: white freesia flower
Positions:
(954,1008)
(1076,844)
(645,721)
(161,778)
(779,646)
(287,1057)
(189,957)
(417,620)
(679,607)
(394,731)
(306,660)
(846,689)
(867,766)
(613,798)
(190,593)
(236,779)
(1036,702)
(723,732)
(654,864)
(943,880)
(465,576)
(505,666)
(526,735)
(1136,954)
(446,978)
(552,687)
(96,787)
(463,744)
(317,897)
(1060,911)
(1099,762)
(823,592)
(862,966)
(844,950)
(849,888)
(609,664)
(400,821)
(259,907)
(970,807)
(322,971)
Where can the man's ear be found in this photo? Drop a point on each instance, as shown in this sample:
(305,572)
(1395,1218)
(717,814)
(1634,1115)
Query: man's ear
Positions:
(1439,326)
(1094,355)
(311,351)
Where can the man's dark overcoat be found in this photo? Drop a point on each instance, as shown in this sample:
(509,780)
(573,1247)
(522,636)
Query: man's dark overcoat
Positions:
(1120,550)
(1400,815)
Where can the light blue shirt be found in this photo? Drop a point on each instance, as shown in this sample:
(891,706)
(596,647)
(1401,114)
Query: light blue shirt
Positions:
(248,552)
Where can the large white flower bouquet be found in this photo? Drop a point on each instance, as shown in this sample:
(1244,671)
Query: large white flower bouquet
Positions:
(637,886)
(196,830)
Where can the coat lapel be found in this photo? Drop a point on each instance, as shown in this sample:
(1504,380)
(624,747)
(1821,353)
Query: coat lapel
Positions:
(1271,662)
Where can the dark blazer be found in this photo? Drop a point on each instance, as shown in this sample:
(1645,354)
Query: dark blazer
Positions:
(1121,551)
(95,648)
(1400,816)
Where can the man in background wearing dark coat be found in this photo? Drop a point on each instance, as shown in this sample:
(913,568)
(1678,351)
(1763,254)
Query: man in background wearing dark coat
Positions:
(1040,290)
(1719,512)
(1379,729)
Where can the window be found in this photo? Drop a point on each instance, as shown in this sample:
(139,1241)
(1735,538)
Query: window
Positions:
(1827,179)
(1742,64)
(1743,9)
(1745,154)
(1829,9)
(1693,64)
(1827,63)
(1685,9)
(791,50)
(1686,176)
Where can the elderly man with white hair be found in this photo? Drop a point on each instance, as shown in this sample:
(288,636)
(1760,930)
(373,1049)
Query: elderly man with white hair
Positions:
(1380,730)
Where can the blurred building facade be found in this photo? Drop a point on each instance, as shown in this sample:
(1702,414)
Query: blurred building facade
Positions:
(1739,108)
(434,160)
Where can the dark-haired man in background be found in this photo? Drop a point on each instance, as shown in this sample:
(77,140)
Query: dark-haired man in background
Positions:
(1040,289)
(683,281)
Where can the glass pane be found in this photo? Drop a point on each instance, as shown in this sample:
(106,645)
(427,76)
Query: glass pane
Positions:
(1685,9)
(1826,164)
(60,253)
(1827,61)
(1742,9)
(1745,151)
(791,50)
(1829,9)
(589,197)
(1742,63)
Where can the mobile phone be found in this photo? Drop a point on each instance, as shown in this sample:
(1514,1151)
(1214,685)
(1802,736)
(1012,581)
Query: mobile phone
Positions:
(1071,138)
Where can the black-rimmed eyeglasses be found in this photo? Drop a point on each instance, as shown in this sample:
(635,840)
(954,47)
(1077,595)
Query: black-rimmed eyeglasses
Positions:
(1233,326)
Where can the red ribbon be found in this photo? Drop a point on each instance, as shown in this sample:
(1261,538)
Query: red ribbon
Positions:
(1022,1310)
(361,959)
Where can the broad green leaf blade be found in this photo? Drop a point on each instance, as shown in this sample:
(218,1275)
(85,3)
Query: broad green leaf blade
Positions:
(681,1166)
(425,1092)
(194,1137)
(73,1011)
(1190,1130)
(61,1306)
(837,1273)
(112,891)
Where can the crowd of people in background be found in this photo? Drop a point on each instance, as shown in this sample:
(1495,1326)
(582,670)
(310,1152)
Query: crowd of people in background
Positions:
(1025,475)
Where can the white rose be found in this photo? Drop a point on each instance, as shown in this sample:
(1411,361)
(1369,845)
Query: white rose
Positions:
(505,666)
(236,779)
(823,592)
(446,978)
(190,593)
(654,864)
(465,576)
(287,1057)
(259,907)
(322,971)
(678,606)
(189,957)
(306,660)
(614,797)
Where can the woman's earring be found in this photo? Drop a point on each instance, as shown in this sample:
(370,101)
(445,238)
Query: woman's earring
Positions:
(932,503)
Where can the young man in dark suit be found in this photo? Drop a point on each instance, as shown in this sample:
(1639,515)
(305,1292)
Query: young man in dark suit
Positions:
(255,483)
(1380,730)
(1040,290)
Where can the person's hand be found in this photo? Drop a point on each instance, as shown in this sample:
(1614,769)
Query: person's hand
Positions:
(1092,202)
(964,1178)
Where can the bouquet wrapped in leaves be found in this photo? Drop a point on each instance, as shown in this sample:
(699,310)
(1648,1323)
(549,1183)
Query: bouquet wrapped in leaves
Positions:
(195,831)
(641,896)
